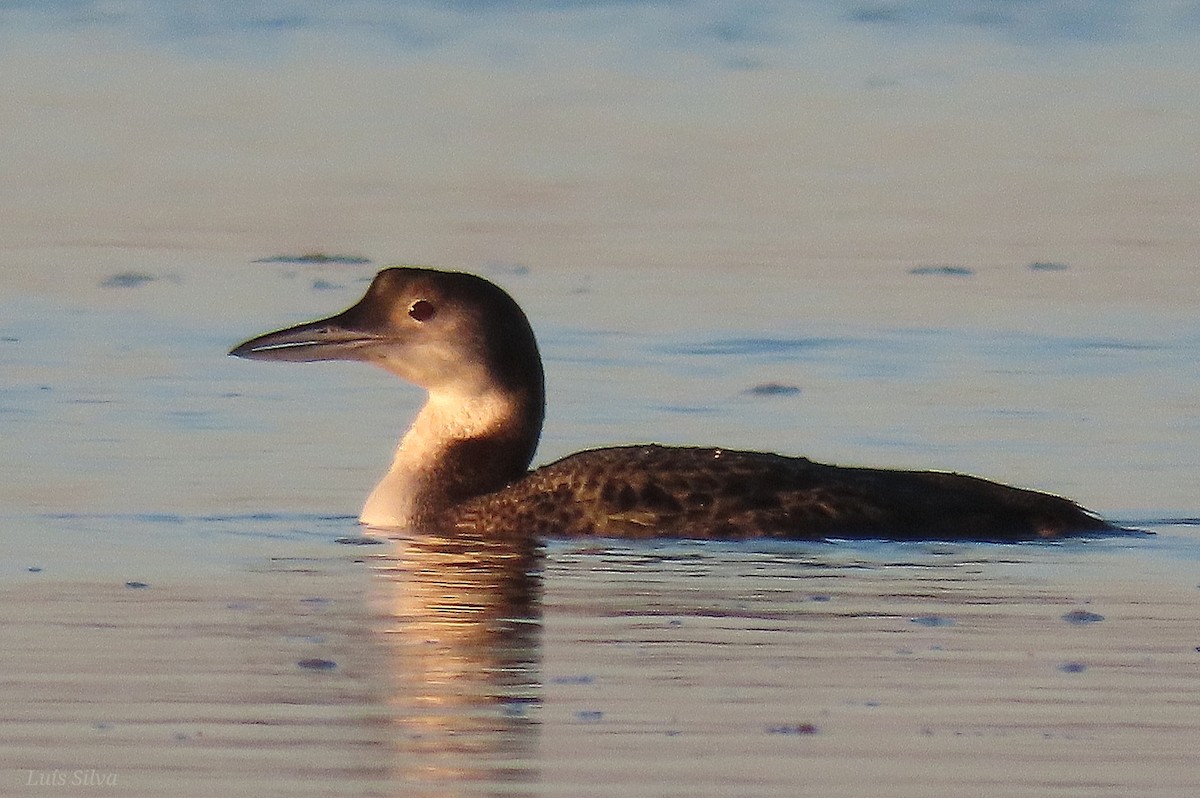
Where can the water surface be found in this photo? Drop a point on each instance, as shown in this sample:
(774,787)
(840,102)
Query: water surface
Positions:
(952,235)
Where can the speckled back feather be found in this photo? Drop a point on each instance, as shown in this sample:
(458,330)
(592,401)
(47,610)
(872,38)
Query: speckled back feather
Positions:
(681,492)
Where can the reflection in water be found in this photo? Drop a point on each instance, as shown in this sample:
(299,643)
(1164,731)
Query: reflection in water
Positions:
(462,626)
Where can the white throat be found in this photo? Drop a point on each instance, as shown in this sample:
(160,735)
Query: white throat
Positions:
(448,417)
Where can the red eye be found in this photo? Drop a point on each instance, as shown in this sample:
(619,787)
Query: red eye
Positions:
(422,310)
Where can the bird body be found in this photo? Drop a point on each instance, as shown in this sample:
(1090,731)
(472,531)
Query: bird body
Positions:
(463,464)
(653,491)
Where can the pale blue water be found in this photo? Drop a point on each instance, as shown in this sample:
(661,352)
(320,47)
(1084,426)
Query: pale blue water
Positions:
(128,427)
(417,26)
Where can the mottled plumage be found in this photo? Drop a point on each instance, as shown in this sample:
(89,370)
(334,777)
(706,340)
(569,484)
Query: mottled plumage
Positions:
(462,464)
(684,492)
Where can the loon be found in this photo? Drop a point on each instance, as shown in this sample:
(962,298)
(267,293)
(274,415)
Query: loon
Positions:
(463,464)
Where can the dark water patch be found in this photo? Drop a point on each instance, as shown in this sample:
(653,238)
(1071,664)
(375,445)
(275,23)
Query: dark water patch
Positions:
(932,621)
(1072,667)
(589,716)
(325,285)
(1082,617)
(137,585)
(944,271)
(582,678)
(773,389)
(880,14)
(358,540)
(1048,266)
(319,258)
(506,269)
(317,664)
(1117,345)
(794,729)
(1184,521)
(127,280)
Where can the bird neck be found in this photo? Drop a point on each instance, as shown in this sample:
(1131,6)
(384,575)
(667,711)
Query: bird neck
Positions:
(458,446)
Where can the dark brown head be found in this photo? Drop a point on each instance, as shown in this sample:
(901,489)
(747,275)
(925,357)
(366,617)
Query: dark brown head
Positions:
(439,330)
(455,334)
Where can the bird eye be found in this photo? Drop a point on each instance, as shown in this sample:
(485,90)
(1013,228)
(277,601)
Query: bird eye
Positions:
(422,310)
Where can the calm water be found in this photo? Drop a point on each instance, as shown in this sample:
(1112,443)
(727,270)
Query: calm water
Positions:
(187,584)
(952,235)
(122,401)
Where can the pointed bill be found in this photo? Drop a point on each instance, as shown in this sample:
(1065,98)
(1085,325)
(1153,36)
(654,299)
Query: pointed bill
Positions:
(326,339)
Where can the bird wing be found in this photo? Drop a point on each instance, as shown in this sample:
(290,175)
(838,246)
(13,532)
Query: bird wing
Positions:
(704,493)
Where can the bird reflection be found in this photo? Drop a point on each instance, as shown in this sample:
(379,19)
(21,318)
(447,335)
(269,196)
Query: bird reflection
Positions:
(462,626)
